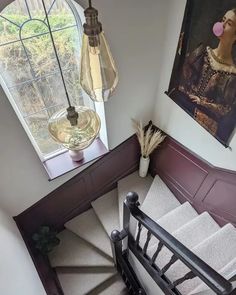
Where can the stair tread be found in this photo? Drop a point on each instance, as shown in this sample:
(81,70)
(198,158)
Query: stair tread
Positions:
(75,252)
(114,285)
(228,271)
(135,183)
(212,251)
(177,217)
(81,281)
(88,227)
(202,225)
(106,209)
(159,200)
(171,221)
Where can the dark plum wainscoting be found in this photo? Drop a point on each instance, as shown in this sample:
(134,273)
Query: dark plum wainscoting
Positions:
(190,178)
(75,196)
(71,199)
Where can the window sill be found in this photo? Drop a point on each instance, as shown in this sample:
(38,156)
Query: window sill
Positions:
(63,163)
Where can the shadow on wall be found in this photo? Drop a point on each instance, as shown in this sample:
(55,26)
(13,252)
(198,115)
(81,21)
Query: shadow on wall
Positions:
(15,257)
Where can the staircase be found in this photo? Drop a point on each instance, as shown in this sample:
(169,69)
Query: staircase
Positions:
(84,262)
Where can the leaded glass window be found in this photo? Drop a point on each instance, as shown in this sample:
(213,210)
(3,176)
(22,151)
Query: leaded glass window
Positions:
(28,66)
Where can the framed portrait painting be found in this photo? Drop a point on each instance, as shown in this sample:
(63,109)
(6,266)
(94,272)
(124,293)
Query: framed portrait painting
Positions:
(203,80)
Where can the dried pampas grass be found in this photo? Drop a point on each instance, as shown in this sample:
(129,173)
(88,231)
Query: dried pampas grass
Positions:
(148,140)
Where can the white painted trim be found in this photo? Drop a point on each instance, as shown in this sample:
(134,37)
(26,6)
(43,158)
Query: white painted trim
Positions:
(98,107)
(20,117)
(80,9)
(53,155)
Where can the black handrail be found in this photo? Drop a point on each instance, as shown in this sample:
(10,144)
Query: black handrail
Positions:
(213,279)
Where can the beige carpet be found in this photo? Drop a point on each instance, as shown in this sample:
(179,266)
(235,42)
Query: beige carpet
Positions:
(83,260)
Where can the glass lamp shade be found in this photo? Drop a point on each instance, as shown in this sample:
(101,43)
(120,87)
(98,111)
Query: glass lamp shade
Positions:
(98,73)
(76,137)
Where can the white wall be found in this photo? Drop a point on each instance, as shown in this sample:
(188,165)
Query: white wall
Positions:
(143,37)
(134,29)
(171,118)
(17,272)
(23,180)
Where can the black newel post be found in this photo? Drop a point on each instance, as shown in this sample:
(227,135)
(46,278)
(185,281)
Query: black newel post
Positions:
(119,242)
(116,245)
(130,203)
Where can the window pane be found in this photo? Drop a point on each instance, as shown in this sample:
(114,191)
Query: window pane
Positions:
(33,28)
(16,12)
(36,8)
(29,66)
(14,65)
(61,15)
(38,125)
(35,96)
(68,46)
(74,88)
(9,32)
(41,55)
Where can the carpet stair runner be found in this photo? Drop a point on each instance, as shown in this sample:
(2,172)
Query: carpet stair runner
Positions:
(109,204)
(88,227)
(83,260)
(78,281)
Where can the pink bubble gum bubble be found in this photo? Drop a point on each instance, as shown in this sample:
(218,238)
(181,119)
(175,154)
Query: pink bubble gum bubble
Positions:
(218,29)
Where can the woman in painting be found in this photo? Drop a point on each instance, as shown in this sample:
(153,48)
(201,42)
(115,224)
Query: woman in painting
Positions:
(208,81)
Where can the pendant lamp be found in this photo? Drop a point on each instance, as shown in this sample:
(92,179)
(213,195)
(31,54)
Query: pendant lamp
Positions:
(74,127)
(98,73)
(78,136)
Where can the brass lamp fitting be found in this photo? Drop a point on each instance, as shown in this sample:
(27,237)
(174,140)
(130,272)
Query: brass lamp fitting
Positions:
(72,115)
(92,27)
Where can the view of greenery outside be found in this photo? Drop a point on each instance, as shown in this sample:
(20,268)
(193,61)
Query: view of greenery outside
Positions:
(28,64)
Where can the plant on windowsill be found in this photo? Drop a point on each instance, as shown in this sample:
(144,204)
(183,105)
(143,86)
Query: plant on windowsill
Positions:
(45,239)
(149,140)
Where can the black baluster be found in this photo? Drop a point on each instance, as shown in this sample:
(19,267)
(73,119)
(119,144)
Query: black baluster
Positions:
(154,257)
(138,235)
(149,235)
(190,275)
(168,265)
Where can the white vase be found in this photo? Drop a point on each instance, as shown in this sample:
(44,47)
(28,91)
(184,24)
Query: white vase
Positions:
(76,156)
(143,166)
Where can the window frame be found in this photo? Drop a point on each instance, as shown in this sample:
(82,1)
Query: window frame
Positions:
(77,11)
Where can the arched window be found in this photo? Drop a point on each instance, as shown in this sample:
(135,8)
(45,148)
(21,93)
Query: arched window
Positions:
(29,71)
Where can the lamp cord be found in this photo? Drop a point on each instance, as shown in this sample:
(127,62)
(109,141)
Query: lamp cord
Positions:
(90,3)
(55,50)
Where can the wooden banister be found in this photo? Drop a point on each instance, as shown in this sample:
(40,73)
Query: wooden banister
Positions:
(197,266)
